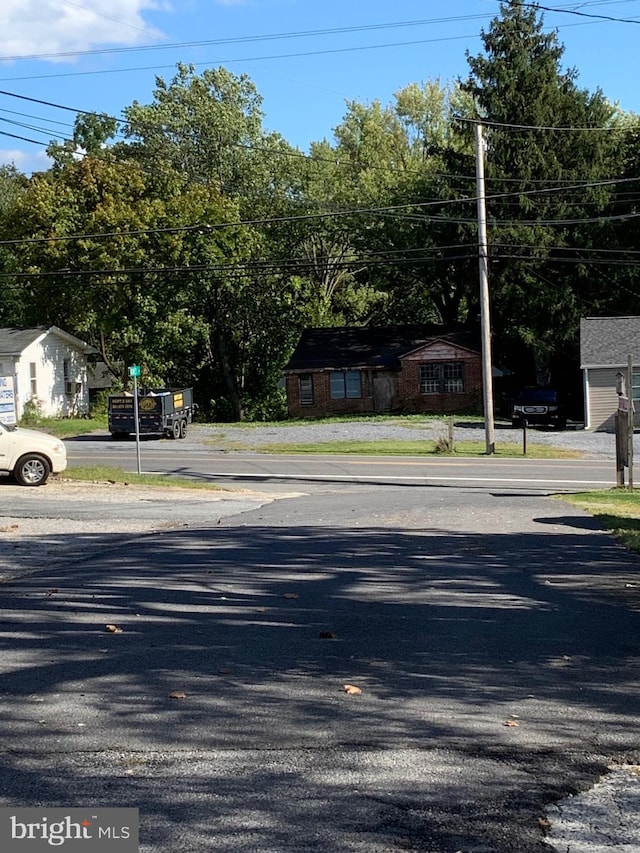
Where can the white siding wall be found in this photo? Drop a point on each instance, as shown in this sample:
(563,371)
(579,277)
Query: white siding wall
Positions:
(49,355)
(602,400)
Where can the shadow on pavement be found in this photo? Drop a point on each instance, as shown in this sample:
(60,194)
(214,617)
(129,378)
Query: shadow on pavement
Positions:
(465,648)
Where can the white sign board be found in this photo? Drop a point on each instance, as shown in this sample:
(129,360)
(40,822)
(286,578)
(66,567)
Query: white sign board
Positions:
(7,400)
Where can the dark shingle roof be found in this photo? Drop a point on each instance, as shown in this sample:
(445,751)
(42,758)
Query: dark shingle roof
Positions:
(608,341)
(367,346)
(14,341)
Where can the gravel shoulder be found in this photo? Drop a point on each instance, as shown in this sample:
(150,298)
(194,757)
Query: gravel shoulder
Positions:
(590,444)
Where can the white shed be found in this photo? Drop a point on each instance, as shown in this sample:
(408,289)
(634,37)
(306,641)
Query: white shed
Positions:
(48,367)
(605,346)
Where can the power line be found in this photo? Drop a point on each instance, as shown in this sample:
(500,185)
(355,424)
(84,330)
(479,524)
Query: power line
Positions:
(485,122)
(209,227)
(327,31)
(22,138)
(560,10)
(156,68)
(276,36)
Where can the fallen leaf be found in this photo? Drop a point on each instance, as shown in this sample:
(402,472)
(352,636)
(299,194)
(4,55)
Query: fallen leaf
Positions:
(351,689)
(260,609)
(545,823)
(511,723)
(52,591)
(177,694)
(328,635)
(291,595)
(113,629)
(224,671)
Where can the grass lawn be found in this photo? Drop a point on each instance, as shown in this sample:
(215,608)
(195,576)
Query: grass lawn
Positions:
(428,447)
(618,510)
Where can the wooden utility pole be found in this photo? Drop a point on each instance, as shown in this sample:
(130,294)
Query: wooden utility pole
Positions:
(630,421)
(485,316)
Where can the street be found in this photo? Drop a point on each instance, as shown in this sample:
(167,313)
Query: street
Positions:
(492,634)
(195,460)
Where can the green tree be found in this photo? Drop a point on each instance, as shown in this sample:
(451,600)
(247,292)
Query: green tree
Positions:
(170,281)
(547,156)
(91,135)
(208,128)
(12,185)
(400,164)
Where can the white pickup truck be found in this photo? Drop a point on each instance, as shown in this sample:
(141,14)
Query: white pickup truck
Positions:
(30,455)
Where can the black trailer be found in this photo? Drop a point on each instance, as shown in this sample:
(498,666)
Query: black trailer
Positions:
(161,411)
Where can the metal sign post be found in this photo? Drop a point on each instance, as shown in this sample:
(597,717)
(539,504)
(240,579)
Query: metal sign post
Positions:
(134,372)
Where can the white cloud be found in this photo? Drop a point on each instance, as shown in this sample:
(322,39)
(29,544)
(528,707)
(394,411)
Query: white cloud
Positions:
(53,26)
(25,161)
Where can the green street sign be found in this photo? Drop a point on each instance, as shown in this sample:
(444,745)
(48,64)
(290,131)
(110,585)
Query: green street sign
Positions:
(134,370)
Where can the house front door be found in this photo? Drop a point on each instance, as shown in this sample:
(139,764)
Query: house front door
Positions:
(384,387)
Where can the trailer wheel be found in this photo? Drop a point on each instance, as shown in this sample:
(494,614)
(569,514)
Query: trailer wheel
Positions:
(175,433)
(183,429)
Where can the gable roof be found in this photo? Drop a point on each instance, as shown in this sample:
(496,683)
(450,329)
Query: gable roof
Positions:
(369,346)
(13,341)
(609,341)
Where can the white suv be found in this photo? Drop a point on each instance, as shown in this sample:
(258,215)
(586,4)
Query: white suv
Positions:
(30,455)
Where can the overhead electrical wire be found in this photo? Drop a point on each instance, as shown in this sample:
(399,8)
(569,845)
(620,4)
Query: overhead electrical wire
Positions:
(208,227)
(326,31)
(332,31)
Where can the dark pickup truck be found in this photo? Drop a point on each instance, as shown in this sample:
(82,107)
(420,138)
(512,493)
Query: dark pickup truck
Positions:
(538,405)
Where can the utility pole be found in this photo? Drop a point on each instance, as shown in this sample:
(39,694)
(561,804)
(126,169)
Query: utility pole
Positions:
(630,421)
(485,318)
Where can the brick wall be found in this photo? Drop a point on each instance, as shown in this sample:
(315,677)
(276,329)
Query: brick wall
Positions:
(322,403)
(407,399)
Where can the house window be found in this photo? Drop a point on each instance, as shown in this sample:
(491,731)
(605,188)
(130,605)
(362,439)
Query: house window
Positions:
(33,379)
(306,389)
(345,384)
(635,390)
(442,378)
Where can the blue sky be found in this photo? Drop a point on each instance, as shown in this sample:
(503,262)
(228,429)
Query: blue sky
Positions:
(49,50)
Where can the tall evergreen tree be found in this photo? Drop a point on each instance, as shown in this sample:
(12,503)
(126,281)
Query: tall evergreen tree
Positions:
(547,157)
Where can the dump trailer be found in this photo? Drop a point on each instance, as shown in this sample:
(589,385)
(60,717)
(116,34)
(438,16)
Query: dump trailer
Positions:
(161,411)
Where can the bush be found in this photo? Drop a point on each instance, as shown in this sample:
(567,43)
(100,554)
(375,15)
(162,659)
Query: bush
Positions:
(271,408)
(32,415)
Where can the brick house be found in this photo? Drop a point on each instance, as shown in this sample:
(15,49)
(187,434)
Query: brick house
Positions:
(409,369)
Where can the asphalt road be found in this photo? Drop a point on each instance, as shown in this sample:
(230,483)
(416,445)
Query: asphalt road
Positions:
(493,634)
(278,472)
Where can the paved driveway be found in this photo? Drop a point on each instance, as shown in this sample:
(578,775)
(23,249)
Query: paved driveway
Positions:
(494,640)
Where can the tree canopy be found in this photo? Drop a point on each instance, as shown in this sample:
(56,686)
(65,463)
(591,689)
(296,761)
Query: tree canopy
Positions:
(192,240)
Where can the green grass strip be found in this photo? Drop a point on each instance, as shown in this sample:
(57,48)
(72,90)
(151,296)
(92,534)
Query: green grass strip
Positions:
(109,475)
